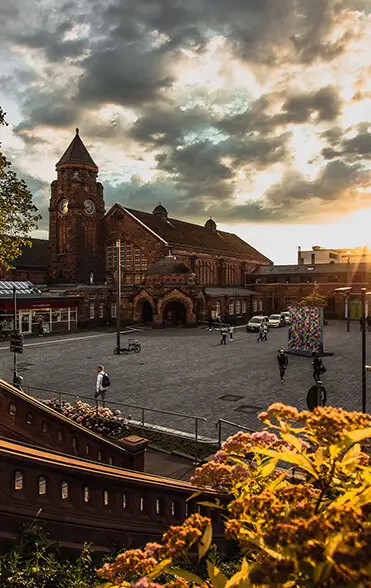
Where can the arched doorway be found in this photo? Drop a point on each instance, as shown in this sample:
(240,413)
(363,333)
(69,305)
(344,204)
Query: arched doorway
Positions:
(175,313)
(146,311)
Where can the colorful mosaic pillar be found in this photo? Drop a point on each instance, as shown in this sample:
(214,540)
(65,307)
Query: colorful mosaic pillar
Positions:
(306,331)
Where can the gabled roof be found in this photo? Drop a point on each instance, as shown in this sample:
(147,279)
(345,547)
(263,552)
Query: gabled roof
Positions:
(187,235)
(77,153)
(35,257)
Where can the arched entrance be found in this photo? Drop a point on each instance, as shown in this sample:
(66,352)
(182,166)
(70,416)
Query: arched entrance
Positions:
(175,313)
(146,311)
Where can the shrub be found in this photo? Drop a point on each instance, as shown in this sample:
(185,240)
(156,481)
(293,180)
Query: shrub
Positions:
(299,506)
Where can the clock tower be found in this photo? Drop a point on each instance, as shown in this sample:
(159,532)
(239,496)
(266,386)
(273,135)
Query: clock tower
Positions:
(76,219)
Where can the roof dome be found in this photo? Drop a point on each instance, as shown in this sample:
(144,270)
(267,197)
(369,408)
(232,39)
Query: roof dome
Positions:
(169,265)
(160,211)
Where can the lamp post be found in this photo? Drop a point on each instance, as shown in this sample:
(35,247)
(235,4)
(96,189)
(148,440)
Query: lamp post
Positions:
(346,291)
(347,296)
(118,303)
(364,366)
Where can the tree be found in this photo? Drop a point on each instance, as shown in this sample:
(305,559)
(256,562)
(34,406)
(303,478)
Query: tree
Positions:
(18,215)
(314,298)
(305,525)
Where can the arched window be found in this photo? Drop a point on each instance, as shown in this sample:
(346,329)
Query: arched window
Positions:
(99,456)
(160,506)
(87,449)
(124,501)
(64,490)
(143,504)
(105,498)
(59,435)
(186,509)
(45,428)
(29,419)
(18,480)
(110,460)
(133,261)
(86,494)
(90,235)
(42,486)
(74,442)
(12,409)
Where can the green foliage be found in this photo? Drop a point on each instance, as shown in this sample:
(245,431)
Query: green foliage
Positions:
(314,299)
(18,216)
(35,562)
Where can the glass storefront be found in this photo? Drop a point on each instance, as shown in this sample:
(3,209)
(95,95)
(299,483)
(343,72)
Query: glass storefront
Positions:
(39,320)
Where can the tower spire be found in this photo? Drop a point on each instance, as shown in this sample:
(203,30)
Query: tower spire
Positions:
(77,154)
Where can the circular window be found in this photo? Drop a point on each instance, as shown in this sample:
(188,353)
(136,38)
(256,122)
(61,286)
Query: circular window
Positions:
(89,206)
(63,206)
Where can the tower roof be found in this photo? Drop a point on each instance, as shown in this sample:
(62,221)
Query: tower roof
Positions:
(77,154)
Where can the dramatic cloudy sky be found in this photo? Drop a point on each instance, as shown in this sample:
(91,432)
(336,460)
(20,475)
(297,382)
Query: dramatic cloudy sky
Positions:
(254,112)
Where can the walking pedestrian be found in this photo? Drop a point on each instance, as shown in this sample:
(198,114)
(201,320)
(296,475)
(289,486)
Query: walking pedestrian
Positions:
(211,323)
(265,331)
(40,328)
(318,367)
(223,332)
(230,330)
(261,333)
(102,383)
(283,362)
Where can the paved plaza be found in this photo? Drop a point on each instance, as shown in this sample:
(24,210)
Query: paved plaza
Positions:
(188,371)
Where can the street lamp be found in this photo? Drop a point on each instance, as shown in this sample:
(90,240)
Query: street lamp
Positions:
(346,291)
(364,366)
(118,292)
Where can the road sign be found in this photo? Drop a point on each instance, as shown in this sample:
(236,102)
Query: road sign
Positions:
(16,342)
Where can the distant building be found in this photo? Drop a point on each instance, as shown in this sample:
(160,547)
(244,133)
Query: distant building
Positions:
(318,255)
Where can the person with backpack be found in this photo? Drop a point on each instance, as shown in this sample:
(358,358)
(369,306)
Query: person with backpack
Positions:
(261,333)
(103,382)
(283,362)
(318,367)
(224,333)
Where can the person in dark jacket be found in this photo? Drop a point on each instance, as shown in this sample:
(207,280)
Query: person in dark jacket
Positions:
(369,322)
(283,362)
(318,367)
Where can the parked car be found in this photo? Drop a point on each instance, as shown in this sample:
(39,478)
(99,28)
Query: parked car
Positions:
(276,320)
(255,322)
(286,315)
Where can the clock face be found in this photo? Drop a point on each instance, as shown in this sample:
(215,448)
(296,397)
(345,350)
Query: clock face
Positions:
(89,206)
(63,206)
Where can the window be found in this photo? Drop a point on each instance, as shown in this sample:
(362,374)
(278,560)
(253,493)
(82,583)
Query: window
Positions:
(132,258)
(137,278)
(238,306)
(74,442)
(105,498)
(64,491)
(86,494)
(124,502)
(99,456)
(110,460)
(29,419)
(254,305)
(244,307)
(113,309)
(260,304)
(87,449)
(45,428)
(186,509)
(42,486)
(101,310)
(158,506)
(174,508)
(12,409)
(59,435)
(18,480)
(231,308)
(143,504)
(62,235)
(217,307)
(91,311)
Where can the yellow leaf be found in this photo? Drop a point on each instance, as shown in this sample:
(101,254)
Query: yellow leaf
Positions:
(242,576)
(292,440)
(159,569)
(195,495)
(352,454)
(211,505)
(277,482)
(267,468)
(189,576)
(217,578)
(359,435)
(300,460)
(205,541)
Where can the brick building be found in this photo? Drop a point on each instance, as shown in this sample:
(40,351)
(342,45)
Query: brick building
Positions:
(172,271)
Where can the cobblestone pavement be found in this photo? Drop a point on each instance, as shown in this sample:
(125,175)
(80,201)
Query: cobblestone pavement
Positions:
(188,371)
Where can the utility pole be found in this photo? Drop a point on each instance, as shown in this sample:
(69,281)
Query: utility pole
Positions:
(348,293)
(16,343)
(118,304)
(15,366)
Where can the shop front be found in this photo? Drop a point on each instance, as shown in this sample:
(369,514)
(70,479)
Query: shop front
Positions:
(49,315)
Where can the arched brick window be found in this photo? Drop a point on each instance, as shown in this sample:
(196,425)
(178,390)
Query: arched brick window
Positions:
(133,262)
(42,485)
(86,494)
(90,235)
(64,490)
(62,235)
(105,498)
(12,409)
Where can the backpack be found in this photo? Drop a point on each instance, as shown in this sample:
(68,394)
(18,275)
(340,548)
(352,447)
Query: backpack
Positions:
(105,381)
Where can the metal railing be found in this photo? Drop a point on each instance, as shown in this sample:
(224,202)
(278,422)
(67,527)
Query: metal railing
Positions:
(143,409)
(222,422)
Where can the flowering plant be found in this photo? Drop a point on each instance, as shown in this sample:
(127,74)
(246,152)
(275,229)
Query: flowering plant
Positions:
(102,421)
(299,507)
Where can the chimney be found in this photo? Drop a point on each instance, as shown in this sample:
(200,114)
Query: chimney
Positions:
(299,255)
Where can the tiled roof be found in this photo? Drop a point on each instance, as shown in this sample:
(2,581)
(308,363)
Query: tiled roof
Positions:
(197,237)
(320,268)
(35,257)
(76,152)
(169,265)
(236,292)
